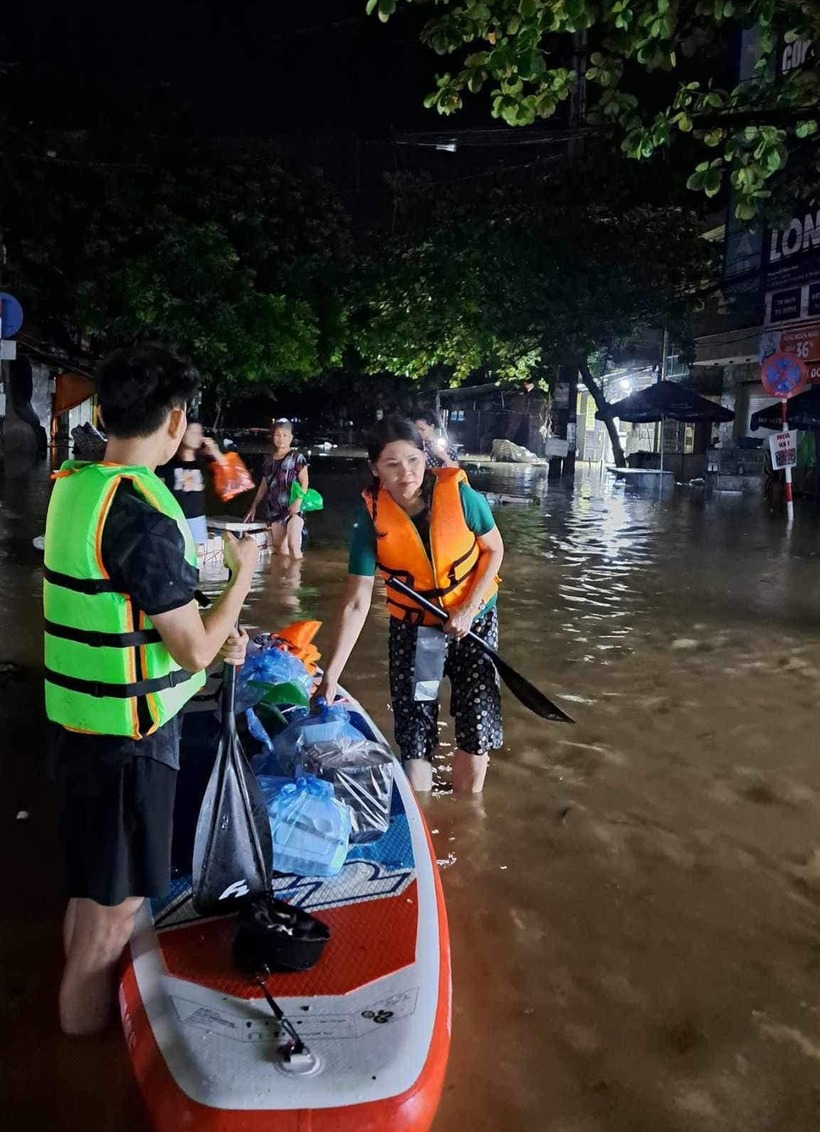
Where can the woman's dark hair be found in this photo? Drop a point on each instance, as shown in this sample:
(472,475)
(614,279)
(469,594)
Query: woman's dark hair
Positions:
(384,432)
(137,389)
(429,416)
(389,429)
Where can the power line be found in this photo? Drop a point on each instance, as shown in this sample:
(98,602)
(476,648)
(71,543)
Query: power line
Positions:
(314,28)
(489,138)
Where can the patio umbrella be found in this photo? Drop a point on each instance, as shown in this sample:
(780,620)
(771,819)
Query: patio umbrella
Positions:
(802,412)
(666,400)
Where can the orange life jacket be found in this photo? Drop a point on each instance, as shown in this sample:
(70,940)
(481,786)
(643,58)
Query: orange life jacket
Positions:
(445,575)
(297,639)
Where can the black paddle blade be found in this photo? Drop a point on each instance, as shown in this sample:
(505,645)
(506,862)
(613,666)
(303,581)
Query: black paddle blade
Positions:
(233,847)
(527,693)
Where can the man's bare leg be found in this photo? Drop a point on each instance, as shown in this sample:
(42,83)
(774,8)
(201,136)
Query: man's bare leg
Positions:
(97,940)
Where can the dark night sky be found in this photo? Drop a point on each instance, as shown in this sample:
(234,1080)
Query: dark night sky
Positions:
(246,67)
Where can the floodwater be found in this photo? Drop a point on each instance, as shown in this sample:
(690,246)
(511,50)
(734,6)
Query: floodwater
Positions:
(634,902)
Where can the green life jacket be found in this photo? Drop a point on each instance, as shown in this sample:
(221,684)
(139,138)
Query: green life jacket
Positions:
(107,670)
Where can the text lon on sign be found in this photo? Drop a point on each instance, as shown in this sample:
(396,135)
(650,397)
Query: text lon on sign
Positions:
(783,375)
(783,447)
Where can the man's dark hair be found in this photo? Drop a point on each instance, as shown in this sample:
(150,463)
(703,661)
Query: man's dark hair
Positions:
(137,389)
(429,416)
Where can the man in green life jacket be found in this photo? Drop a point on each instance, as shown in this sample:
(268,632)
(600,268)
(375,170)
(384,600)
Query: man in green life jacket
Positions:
(125,649)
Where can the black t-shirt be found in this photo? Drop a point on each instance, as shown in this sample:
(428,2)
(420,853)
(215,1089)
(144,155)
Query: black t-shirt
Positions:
(185,480)
(144,553)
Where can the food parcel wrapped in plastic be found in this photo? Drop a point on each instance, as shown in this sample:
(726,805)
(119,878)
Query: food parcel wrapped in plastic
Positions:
(362,775)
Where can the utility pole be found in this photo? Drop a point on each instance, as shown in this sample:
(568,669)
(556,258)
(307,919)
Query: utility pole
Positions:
(566,416)
(578,96)
(662,377)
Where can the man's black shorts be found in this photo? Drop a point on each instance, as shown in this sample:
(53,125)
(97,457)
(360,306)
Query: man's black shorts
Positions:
(115,811)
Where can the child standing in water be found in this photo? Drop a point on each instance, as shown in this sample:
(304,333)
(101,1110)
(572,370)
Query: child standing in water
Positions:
(284,467)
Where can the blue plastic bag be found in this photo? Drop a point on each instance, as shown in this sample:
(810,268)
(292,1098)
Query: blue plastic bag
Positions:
(268,667)
(327,722)
(324,724)
(271,785)
(256,729)
(311,829)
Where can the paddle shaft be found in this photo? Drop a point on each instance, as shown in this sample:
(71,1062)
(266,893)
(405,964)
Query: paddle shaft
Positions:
(228,699)
(230,760)
(522,689)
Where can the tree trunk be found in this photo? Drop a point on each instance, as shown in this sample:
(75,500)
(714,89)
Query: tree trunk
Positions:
(602,405)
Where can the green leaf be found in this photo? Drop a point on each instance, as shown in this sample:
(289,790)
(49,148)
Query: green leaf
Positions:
(531,64)
(712,181)
(386,9)
(745,210)
(545,106)
(371,6)
(528,8)
(807,128)
(695,181)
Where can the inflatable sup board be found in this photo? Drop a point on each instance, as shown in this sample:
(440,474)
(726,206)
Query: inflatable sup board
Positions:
(374,1013)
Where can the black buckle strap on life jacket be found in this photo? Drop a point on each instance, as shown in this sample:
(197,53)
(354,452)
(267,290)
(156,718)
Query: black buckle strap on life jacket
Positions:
(410,615)
(99,640)
(100,688)
(80,585)
(406,577)
(451,573)
(441,591)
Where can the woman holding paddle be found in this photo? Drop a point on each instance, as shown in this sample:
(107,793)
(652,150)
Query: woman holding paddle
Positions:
(429,529)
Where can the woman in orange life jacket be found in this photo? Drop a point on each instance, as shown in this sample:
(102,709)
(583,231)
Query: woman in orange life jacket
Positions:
(432,530)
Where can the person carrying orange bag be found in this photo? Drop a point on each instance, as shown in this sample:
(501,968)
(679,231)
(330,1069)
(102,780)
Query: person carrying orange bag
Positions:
(231,477)
(183,475)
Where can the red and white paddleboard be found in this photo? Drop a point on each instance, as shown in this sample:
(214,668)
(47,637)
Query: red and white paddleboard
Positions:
(374,1012)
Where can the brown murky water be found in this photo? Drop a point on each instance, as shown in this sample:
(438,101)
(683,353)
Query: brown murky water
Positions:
(634,903)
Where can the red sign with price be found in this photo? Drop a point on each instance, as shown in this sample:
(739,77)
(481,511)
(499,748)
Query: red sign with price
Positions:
(800,342)
(803,342)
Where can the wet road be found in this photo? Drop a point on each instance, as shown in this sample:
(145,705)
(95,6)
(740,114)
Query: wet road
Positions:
(634,903)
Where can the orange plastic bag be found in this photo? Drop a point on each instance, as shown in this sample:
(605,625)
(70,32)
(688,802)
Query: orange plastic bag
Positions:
(297,639)
(231,477)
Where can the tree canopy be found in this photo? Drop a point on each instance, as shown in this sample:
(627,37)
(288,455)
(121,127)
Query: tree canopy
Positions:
(214,249)
(517,279)
(528,57)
